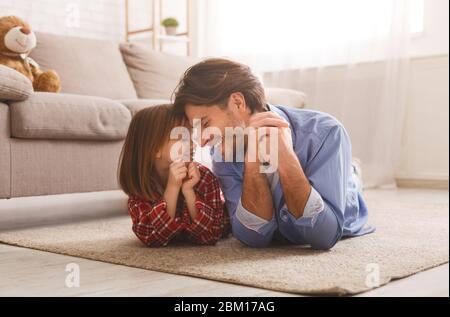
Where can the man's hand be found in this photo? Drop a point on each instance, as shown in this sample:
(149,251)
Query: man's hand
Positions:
(267,119)
(295,185)
(256,195)
(267,123)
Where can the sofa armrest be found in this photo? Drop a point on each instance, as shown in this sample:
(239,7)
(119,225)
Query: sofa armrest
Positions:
(13,85)
(63,116)
(5,152)
(285,97)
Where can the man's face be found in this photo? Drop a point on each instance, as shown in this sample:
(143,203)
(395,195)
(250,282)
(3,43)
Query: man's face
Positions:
(214,119)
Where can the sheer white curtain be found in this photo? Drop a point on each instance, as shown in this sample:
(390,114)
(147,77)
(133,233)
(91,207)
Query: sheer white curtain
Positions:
(349,56)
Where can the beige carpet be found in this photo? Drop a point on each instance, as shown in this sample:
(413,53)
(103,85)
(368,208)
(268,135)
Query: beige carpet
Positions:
(409,238)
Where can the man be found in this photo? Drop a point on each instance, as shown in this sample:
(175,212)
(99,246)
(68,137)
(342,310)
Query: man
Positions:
(312,198)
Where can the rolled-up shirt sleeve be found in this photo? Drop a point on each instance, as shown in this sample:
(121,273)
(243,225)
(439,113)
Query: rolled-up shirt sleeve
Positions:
(254,222)
(329,175)
(314,206)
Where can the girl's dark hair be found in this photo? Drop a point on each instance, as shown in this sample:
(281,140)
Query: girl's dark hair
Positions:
(148,131)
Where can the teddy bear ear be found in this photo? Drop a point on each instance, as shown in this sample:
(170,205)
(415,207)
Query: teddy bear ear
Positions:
(11,20)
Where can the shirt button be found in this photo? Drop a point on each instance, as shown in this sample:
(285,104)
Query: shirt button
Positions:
(284,218)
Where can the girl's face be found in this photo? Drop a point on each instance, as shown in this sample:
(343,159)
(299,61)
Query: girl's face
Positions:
(177,149)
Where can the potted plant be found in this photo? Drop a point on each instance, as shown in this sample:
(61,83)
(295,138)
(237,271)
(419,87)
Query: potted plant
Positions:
(170,25)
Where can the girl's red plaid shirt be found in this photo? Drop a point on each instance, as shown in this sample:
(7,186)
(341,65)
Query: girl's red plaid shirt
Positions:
(154,227)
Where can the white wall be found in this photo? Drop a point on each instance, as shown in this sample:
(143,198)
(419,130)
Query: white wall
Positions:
(434,40)
(425,145)
(94,19)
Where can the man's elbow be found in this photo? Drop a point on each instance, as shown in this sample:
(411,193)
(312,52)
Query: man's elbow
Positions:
(250,237)
(323,244)
(324,239)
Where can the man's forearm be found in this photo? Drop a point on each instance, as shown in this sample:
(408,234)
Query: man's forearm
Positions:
(295,185)
(256,195)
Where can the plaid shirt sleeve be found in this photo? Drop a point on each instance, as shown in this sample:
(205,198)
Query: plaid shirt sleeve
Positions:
(151,222)
(212,222)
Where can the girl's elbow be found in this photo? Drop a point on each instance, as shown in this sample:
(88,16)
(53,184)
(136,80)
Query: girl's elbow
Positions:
(209,239)
(151,241)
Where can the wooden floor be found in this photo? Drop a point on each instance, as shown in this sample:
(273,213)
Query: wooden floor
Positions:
(26,272)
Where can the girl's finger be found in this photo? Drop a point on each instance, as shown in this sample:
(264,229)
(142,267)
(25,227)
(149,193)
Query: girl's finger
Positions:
(176,165)
(180,168)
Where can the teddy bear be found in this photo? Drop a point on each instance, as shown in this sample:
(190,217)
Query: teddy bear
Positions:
(17,40)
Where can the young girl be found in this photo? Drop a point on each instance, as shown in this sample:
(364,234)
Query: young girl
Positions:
(168,199)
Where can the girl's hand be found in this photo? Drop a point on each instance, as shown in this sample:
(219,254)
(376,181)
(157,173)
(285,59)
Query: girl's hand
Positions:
(193,177)
(177,172)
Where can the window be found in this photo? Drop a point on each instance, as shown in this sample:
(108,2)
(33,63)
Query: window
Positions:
(256,26)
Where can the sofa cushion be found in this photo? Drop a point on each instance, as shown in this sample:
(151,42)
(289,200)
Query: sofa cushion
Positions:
(86,66)
(155,75)
(286,97)
(13,85)
(62,116)
(134,105)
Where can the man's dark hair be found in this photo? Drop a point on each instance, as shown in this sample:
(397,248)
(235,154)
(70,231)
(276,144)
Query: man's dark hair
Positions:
(212,81)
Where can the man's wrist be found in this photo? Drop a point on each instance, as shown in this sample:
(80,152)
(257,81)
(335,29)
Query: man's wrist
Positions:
(287,159)
(252,168)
